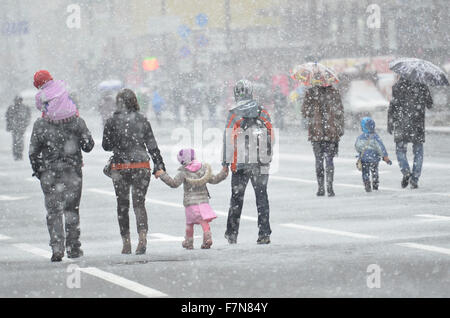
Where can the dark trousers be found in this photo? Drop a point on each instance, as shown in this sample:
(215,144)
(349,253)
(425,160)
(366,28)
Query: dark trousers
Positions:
(324,151)
(62,192)
(370,168)
(17,144)
(239,181)
(138,181)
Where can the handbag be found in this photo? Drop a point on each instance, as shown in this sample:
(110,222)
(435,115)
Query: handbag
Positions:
(359,162)
(107,168)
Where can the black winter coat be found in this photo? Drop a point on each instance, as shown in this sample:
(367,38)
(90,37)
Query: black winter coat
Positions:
(406,114)
(130,136)
(55,145)
(18,118)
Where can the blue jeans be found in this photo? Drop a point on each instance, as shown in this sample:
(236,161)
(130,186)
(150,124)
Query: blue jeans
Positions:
(400,149)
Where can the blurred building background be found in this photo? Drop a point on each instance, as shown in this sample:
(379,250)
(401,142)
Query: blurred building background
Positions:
(211,41)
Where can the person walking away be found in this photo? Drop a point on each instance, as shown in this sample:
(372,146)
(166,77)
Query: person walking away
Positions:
(157,103)
(247,147)
(129,135)
(56,159)
(18,118)
(280,103)
(406,120)
(106,106)
(322,107)
(194,176)
(371,149)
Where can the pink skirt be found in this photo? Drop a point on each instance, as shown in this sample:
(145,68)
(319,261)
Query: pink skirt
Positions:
(195,214)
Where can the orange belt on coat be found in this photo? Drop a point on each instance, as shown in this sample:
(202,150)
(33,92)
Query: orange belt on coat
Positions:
(132,165)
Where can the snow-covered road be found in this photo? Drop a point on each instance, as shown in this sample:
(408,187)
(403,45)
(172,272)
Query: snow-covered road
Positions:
(321,247)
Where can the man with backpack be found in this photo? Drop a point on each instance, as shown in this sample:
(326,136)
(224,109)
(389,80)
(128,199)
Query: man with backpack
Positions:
(247,147)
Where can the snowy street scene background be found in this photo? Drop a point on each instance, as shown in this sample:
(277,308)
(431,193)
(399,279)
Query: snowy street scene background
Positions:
(182,60)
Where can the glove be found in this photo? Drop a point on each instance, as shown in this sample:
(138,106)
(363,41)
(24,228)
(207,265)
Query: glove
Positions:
(389,162)
(37,174)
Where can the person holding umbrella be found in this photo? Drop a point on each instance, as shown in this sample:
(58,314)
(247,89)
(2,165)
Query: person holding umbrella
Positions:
(323,108)
(406,113)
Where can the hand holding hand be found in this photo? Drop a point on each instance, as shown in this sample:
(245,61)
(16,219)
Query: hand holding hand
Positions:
(159,173)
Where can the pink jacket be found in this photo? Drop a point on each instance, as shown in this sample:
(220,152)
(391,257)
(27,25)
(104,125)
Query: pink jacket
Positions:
(54,101)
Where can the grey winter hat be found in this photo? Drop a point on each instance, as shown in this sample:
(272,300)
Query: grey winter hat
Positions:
(243,89)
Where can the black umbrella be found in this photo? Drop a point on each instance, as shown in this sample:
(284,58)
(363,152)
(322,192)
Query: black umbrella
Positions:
(421,71)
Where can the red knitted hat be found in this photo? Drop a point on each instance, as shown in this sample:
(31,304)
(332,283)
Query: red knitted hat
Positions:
(41,77)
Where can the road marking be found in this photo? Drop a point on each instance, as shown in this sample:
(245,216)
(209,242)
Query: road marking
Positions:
(171,204)
(336,184)
(434,217)
(329,231)
(356,186)
(310,158)
(123,282)
(37,251)
(4,237)
(11,198)
(112,278)
(160,237)
(424,247)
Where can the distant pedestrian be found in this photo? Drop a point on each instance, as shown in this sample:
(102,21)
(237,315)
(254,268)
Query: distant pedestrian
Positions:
(194,176)
(55,155)
(406,120)
(158,105)
(18,118)
(371,149)
(129,135)
(106,106)
(279,104)
(323,108)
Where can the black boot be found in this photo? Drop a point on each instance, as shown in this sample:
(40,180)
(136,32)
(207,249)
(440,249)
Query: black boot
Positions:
(74,252)
(321,189)
(405,180)
(367,186)
(330,177)
(57,256)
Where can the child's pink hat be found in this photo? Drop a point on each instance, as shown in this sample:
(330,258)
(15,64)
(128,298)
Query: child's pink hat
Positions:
(185,156)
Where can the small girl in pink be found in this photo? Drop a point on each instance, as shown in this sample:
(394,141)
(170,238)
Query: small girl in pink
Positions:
(194,176)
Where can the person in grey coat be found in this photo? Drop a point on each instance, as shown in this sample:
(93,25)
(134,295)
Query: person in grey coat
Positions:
(18,118)
(194,176)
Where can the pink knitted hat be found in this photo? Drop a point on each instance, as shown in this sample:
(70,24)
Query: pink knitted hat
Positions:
(185,156)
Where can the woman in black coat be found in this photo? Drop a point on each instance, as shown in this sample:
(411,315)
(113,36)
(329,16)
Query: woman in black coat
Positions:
(129,135)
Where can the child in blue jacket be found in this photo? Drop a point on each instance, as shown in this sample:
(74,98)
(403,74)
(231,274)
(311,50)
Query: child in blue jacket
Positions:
(371,149)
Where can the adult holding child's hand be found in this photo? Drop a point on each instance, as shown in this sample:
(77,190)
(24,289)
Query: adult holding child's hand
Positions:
(129,135)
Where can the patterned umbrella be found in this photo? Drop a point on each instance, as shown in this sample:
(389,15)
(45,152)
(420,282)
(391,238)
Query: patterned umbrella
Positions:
(314,74)
(421,71)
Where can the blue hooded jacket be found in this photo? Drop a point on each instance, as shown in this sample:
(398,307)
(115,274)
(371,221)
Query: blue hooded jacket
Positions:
(369,145)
